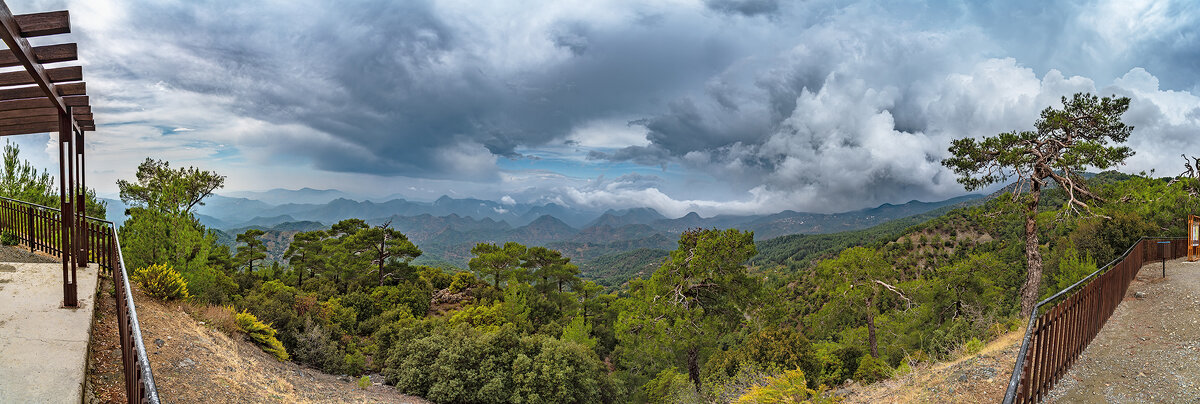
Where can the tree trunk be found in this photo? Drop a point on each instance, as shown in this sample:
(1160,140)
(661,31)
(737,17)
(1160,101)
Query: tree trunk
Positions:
(693,358)
(1033,256)
(871,327)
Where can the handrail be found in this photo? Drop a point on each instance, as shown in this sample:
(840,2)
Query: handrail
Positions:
(49,208)
(143,362)
(139,378)
(1010,396)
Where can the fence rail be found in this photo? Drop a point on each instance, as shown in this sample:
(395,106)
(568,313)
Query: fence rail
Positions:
(1063,325)
(39,228)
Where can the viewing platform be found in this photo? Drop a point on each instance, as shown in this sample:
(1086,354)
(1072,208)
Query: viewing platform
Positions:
(1149,351)
(43,345)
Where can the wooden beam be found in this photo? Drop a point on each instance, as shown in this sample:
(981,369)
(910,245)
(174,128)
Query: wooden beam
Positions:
(76,88)
(32,103)
(19,47)
(57,75)
(42,54)
(42,24)
(29,128)
(83,119)
(25,120)
(16,113)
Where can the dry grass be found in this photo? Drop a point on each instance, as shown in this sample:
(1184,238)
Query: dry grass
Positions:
(978,378)
(222,318)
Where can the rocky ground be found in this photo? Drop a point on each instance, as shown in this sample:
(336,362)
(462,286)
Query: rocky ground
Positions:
(193,363)
(22,254)
(1149,351)
(979,378)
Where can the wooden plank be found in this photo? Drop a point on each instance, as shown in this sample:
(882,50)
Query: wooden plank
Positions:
(29,120)
(32,103)
(17,113)
(75,88)
(42,24)
(42,54)
(29,128)
(82,119)
(57,75)
(29,58)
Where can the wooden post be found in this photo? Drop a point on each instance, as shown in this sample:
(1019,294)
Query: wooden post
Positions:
(81,212)
(65,163)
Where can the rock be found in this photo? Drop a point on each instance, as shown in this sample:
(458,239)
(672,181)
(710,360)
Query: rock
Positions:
(186,362)
(159,342)
(1139,295)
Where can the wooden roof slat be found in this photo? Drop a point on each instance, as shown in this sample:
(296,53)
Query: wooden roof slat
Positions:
(16,113)
(31,103)
(29,57)
(57,75)
(44,54)
(76,88)
(26,129)
(42,24)
(83,119)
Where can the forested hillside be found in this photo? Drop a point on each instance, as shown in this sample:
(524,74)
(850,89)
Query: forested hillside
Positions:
(519,323)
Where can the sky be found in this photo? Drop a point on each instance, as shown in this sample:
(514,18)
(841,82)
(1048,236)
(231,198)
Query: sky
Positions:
(713,106)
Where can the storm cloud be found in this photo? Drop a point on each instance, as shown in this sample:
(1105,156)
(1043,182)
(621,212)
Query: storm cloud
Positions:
(746,106)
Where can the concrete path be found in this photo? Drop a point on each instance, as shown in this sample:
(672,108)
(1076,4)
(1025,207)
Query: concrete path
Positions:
(1149,351)
(43,347)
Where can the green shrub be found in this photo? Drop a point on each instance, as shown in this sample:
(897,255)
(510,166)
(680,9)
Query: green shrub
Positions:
(461,281)
(871,370)
(364,382)
(789,387)
(262,334)
(973,346)
(671,386)
(162,282)
(9,237)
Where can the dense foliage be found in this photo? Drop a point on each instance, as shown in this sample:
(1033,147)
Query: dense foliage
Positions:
(522,324)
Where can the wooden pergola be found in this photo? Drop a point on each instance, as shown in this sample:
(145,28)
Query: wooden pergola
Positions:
(39,99)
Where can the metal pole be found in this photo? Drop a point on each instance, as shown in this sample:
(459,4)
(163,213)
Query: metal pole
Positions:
(65,159)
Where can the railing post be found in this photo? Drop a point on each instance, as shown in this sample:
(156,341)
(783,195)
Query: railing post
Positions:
(29,228)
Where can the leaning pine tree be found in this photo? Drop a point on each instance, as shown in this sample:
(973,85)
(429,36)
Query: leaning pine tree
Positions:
(1086,132)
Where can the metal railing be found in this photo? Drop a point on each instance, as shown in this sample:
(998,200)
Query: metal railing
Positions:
(1057,335)
(39,227)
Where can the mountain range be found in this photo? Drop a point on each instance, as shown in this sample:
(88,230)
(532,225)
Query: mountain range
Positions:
(447,228)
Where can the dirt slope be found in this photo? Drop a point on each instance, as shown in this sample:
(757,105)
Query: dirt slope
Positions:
(196,364)
(980,378)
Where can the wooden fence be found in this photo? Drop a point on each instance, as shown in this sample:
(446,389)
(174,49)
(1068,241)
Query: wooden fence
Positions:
(1062,326)
(39,228)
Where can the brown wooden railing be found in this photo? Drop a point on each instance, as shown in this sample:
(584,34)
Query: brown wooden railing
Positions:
(1063,325)
(39,228)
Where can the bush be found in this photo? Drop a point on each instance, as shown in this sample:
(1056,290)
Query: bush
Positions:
(461,364)
(789,387)
(261,334)
(161,282)
(871,370)
(364,382)
(9,237)
(671,386)
(973,346)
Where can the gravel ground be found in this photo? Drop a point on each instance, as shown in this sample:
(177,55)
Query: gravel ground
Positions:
(1149,351)
(18,254)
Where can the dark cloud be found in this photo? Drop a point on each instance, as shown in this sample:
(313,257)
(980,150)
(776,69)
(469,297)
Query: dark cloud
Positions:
(819,107)
(749,8)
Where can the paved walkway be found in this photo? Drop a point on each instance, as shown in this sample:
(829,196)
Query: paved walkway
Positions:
(43,347)
(1149,351)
